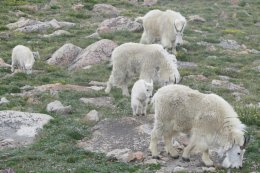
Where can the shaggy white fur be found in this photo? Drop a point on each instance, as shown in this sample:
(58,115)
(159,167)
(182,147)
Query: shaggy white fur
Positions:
(149,62)
(141,93)
(164,26)
(23,58)
(209,119)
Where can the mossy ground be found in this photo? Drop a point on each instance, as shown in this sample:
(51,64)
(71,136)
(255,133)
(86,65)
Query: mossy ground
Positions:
(54,149)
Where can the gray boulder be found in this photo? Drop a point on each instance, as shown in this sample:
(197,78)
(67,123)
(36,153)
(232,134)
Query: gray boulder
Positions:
(57,107)
(94,54)
(65,55)
(120,23)
(106,10)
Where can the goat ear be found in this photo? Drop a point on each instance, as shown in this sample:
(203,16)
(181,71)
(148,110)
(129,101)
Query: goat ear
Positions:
(246,141)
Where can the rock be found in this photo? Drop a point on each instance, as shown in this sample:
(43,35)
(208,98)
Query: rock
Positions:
(4,36)
(94,54)
(57,33)
(120,23)
(151,161)
(257,68)
(65,55)
(95,35)
(20,128)
(210,169)
(78,7)
(211,48)
(27,87)
(8,170)
(257,24)
(29,25)
(226,78)
(123,155)
(254,51)
(98,101)
(191,65)
(238,95)
(29,7)
(87,67)
(180,169)
(203,43)
(4,101)
(196,77)
(106,10)
(3,64)
(97,88)
(228,85)
(57,107)
(150,2)
(229,44)
(92,116)
(196,18)
(97,83)
(139,156)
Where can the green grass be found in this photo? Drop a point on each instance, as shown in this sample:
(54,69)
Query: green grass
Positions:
(55,148)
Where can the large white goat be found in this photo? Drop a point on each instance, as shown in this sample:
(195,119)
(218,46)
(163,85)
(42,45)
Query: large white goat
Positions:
(149,62)
(164,26)
(23,58)
(209,119)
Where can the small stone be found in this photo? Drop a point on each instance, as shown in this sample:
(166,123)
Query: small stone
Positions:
(180,169)
(4,101)
(191,65)
(151,161)
(92,116)
(33,8)
(196,18)
(254,51)
(97,88)
(77,7)
(139,155)
(95,35)
(87,67)
(224,78)
(106,9)
(119,154)
(57,107)
(243,46)
(27,87)
(210,169)
(97,83)
(57,33)
(150,2)
(98,101)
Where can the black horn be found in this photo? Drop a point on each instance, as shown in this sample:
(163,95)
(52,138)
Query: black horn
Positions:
(175,27)
(246,141)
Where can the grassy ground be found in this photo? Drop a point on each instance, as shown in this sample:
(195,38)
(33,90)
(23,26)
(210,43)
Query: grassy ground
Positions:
(54,149)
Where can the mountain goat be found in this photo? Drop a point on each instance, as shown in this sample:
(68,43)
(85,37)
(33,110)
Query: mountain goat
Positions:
(141,93)
(150,62)
(164,26)
(209,119)
(23,58)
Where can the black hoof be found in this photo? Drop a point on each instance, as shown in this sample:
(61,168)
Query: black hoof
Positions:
(137,114)
(185,159)
(175,157)
(156,157)
(143,114)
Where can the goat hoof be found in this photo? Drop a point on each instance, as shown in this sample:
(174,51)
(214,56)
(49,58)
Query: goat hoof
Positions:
(175,157)
(156,157)
(143,114)
(185,159)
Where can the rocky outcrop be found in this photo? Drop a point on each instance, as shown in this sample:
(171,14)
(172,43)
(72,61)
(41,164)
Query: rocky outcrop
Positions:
(106,10)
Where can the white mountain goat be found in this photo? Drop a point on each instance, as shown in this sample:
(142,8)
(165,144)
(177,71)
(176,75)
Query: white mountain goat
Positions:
(141,93)
(209,119)
(164,26)
(149,62)
(23,58)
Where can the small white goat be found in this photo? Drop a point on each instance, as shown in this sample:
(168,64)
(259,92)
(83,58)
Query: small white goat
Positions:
(165,26)
(23,58)
(209,119)
(141,93)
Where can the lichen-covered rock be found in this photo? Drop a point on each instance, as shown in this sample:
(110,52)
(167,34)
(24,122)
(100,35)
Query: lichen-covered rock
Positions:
(57,33)
(65,55)
(92,116)
(120,23)
(20,128)
(106,10)
(229,44)
(57,107)
(94,54)
(196,18)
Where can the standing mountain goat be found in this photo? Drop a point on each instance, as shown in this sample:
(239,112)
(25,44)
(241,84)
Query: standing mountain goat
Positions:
(164,26)
(140,96)
(23,58)
(209,119)
(150,62)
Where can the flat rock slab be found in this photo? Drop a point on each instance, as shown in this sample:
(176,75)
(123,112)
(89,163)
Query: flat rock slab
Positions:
(20,128)
(133,134)
(99,101)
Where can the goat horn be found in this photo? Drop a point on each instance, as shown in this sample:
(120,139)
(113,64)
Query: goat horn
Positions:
(246,140)
(182,27)
(175,27)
